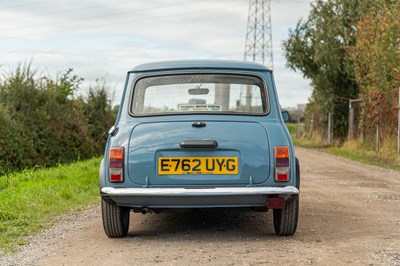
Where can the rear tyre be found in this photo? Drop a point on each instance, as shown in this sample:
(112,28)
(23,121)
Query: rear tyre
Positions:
(115,219)
(285,220)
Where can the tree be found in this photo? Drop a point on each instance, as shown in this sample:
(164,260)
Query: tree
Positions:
(376,57)
(317,48)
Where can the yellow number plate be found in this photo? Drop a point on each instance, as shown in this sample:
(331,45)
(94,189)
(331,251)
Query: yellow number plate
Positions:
(198,166)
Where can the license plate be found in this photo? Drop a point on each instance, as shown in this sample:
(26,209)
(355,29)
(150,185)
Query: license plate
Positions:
(198,166)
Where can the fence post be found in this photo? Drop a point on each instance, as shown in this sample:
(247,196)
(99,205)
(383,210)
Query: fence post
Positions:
(298,128)
(329,128)
(312,124)
(377,138)
(351,120)
(398,125)
(351,116)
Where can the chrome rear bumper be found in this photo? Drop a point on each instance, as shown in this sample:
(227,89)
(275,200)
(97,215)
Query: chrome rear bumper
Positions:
(185,192)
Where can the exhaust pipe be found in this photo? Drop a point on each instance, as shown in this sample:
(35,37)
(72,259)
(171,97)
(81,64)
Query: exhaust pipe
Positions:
(145,210)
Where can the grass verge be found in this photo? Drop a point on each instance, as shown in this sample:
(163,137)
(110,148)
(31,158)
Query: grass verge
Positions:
(314,143)
(363,152)
(386,158)
(29,201)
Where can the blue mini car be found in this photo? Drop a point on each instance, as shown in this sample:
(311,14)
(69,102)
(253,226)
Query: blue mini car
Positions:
(199,134)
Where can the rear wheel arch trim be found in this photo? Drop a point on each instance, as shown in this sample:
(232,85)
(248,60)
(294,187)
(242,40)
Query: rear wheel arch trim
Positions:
(297,173)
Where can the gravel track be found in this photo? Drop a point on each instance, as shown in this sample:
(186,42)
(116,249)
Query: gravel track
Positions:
(349,214)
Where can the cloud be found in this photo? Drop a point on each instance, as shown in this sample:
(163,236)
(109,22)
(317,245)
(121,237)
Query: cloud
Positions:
(98,38)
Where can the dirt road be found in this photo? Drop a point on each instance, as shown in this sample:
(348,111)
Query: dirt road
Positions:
(349,214)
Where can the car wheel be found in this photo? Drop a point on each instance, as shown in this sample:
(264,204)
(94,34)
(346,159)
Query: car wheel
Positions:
(285,220)
(115,219)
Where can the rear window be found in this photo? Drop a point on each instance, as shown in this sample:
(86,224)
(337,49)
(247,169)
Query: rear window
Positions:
(199,93)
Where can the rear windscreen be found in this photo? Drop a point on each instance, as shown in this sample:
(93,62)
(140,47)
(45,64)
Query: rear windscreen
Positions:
(205,93)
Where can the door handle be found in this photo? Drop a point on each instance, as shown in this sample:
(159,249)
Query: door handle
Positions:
(198,124)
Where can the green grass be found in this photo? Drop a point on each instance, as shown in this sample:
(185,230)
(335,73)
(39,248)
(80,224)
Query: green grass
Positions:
(386,157)
(292,128)
(29,201)
(314,143)
(363,152)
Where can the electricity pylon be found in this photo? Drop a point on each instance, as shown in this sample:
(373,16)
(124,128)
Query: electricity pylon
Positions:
(258,47)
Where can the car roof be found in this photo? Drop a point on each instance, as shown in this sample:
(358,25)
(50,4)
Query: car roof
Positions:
(199,64)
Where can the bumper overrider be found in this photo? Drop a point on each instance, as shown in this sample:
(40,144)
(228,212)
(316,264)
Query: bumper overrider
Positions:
(272,197)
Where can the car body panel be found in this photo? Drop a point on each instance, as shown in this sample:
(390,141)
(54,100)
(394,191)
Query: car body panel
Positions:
(149,141)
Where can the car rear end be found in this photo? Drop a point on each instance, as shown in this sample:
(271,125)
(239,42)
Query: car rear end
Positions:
(199,134)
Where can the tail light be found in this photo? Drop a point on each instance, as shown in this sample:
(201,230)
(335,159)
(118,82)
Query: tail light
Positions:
(116,165)
(282,167)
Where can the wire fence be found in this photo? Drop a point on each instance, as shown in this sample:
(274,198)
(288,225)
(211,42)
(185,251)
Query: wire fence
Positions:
(373,122)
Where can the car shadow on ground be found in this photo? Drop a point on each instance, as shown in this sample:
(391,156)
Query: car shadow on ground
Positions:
(202,223)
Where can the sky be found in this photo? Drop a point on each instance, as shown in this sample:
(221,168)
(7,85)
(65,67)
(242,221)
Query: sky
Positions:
(103,39)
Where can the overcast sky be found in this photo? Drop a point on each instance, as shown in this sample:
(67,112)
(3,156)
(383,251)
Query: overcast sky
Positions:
(104,38)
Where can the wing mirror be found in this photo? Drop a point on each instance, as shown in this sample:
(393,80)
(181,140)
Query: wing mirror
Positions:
(285,115)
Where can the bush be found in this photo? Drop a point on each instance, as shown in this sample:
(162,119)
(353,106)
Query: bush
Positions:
(44,123)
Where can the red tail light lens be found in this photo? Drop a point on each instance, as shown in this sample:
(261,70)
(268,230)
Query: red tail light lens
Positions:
(282,166)
(116,165)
